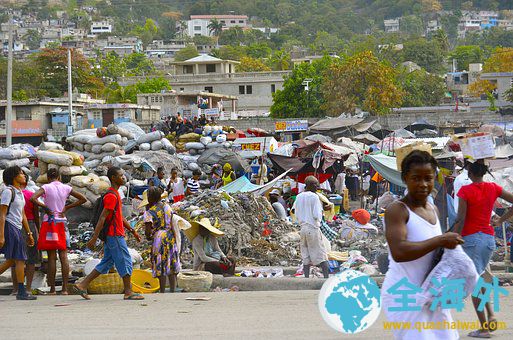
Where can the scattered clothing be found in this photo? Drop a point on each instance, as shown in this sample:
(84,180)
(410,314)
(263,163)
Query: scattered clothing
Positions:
(280,211)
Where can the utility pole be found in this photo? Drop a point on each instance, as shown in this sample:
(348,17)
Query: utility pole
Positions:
(69,129)
(8,113)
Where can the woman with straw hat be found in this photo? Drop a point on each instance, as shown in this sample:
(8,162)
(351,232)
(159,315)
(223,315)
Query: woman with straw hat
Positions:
(208,255)
(158,220)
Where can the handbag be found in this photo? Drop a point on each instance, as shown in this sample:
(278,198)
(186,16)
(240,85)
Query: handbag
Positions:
(52,236)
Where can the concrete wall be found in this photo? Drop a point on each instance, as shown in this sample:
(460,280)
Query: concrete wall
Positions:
(265,123)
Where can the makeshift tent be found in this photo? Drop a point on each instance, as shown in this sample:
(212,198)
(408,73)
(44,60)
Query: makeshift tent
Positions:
(366,138)
(387,167)
(319,138)
(242,184)
(419,125)
(495,130)
(297,167)
(223,156)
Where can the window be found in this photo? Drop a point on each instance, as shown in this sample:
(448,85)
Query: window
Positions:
(242,89)
(153,116)
(249,89)
(223,22)
(182,89)
(233,21)
(23,113)
(97,115)
(273,88)
(209,89)
(241,21)
(211,68)
(187,69)
(138,114)
(197,28)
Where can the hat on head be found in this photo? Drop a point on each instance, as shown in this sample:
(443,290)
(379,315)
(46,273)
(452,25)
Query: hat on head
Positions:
(361,216)
(275,192)
(145,202)
(193,230)
(227,167)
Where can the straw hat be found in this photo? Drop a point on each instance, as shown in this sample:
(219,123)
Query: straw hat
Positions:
(145,202)
(193,231)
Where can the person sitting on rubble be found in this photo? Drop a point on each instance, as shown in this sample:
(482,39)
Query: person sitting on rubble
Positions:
(216,177)
(208,256)
(193,185)
(228,174)
(279,209)
(165,237)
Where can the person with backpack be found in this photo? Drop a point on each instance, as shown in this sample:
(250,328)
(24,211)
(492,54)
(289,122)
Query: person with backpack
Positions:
(55,194)
(12,220)
(110,227)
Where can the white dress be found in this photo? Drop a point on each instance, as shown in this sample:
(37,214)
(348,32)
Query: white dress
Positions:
(418,230)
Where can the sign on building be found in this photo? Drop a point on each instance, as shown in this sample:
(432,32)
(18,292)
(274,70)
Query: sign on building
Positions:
(211,113)
(291,125)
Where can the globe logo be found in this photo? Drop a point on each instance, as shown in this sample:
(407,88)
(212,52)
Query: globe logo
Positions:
(350,302)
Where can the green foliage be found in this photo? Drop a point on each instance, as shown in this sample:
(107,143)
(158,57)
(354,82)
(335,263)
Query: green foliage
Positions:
(229,52)
(202,40)
(421,88)
(186,53)
(128,94)
(20,95)
(293,100)
(466,55)
(425,53)
(138,64)
(248,64)
(33,39)
(509,94)
(412,25)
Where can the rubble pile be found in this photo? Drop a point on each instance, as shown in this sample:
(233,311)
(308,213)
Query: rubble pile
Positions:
(252,230)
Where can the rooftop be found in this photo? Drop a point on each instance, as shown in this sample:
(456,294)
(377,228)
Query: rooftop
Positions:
(190,94)
(219,16)
(204,59)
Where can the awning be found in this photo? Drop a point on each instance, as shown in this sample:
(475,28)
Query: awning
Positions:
(242,184)
(335,123)
(387,167)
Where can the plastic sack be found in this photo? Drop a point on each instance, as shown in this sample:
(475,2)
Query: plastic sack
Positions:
(82,138)
(72,170)
(10,154)
(215,145)
(78,146)
(116,139)
(193,166)
(88,147)
(91,164)
(205,140)
(166,144)
(50,146)
(145,147)
(24,162)
(55,158)
(117,130)
(132,128)
(150,137)
(109,147)
(194,145)
(221,138)
(77,158)
(99,187)
(156,145)
(455,264)
(81,181)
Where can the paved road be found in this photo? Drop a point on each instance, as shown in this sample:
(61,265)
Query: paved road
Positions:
(240,315)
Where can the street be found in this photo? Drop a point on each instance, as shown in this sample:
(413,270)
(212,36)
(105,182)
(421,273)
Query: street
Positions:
(234,315)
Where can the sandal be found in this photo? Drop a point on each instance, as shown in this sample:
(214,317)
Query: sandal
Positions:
(480,333)
(492,325)
(134,296)
(82,293)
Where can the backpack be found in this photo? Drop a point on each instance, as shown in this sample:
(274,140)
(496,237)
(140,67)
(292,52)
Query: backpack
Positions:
(13,195)
(97,211)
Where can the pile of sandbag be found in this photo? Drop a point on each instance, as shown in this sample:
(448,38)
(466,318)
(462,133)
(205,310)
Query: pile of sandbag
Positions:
(155,141)
(11,156)
(189,138)
(100,145)
(69,164)
(91,186)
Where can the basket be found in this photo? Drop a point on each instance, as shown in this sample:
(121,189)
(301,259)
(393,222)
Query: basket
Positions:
(404,151)
(143,282)
(106,284)
(195,281)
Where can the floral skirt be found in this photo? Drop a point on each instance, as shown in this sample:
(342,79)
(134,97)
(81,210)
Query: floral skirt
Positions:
(165,258)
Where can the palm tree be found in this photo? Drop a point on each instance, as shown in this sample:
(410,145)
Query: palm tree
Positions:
(280,60)
(215,28)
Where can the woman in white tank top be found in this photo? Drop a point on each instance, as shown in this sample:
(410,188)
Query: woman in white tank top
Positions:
(413,234)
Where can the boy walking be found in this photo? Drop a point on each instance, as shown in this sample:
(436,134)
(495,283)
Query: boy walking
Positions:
(115,248)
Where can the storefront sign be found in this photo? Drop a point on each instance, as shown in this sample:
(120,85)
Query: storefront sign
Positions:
(291,126)
(211,113)
(251,146)
(26,128)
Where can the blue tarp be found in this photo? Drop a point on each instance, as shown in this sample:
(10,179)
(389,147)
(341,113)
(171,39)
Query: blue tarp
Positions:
(241,184)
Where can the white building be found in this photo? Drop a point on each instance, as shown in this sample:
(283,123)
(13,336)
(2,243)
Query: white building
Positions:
(198,25)
(101,27)
(391,25)
(433,26)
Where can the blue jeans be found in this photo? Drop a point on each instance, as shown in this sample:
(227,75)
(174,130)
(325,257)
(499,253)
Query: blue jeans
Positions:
(479,247)
(115,252)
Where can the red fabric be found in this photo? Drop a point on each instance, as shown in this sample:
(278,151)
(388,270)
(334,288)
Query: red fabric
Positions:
(109,202)
(321,177)
(480,198)
(52,236)
(361,216)
(178,198)
(29,207)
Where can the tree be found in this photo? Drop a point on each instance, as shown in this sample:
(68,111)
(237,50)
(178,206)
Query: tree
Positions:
(412,24)
(421,88)
(481,87)
(509,94)
(137,64)
(426,54)
(128,94)
(258,50)
(200,40)
(232,36)
(442,39)
(112,67)
(280,61)
(188,52)
(147,32)
(325,42)
(248,64)
(229,52)
(361,81)
(466,55)
(33,39)
(52,66)
(294,100)
(501,60)
(215,28)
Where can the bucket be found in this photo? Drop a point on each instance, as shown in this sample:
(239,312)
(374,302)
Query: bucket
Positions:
(143,282)
(337,200)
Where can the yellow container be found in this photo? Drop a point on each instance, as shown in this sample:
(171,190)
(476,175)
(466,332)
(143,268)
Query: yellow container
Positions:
(106,284)
(143,282)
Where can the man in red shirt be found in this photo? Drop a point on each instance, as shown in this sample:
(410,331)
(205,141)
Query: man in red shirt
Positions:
(115,251)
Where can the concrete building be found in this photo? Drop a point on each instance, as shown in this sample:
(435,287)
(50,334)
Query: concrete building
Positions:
(101,27)
(391,25)
(104,114)
(503,81)
(458,82)
(190,104)
(121,45)
(433,26)
(198,25)
(205,64)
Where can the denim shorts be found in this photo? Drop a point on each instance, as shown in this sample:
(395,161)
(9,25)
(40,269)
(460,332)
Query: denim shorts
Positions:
(479,247)
(115,252)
